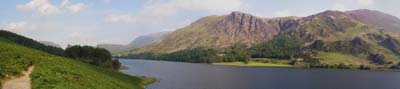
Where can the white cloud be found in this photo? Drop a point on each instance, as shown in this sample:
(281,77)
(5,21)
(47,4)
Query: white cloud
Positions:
(119,18)
(73,8)
(283,13)
(340,7)
(16,26)
(45,8)
(156,10)
(366,2)
(80,38)
(172,6)
(26,26)
(41,7)
(106,1)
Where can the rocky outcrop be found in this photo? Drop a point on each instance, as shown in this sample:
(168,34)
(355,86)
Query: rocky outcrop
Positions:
(245,28)
(223,31)
(392,44)
(355,46)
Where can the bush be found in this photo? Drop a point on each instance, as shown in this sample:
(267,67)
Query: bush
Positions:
(281,47)
(377,58)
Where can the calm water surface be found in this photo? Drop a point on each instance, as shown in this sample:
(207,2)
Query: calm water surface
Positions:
(177,75)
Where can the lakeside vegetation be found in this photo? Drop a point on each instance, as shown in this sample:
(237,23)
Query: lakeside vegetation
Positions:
(281,48)
(59,72)
(91,55)
(253,63)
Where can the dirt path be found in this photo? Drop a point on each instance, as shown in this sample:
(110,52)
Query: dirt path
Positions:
(23,82)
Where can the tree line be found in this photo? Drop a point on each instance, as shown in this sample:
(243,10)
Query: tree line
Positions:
(281,47)
(27,42)
(87,54)
(92,55)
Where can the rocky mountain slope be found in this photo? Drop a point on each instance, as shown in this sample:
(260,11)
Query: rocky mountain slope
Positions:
(238,27)
(221,32)
(362,36)
(376,18)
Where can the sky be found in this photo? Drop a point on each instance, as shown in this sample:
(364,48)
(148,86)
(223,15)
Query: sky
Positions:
(92,22)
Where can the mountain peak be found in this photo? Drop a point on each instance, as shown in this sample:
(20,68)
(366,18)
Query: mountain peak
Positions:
(332,13)
(365,10)
(376,18)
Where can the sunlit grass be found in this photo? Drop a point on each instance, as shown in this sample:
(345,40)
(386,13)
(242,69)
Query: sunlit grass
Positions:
(54,72)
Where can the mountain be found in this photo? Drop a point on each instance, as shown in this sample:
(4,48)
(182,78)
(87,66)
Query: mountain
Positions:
(148,39)
(137,43)
(357,37)
(221,32)
(24,41)
(116,48)
(238,27)
(379,19)
(48,43)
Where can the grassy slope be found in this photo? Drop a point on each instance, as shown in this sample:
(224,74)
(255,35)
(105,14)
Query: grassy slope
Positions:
(339,58)
(54,72)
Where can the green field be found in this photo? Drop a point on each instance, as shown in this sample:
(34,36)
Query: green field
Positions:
(339,58)
(54,72)
(252,63)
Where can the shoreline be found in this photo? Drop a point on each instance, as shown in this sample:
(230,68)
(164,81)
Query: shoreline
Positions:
(290,66)
(253,64)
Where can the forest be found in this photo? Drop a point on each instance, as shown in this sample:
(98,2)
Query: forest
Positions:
(95,56)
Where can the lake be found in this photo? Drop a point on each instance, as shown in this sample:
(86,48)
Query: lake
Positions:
(178,75)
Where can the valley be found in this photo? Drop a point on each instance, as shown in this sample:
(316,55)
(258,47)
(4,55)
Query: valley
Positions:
(200,44)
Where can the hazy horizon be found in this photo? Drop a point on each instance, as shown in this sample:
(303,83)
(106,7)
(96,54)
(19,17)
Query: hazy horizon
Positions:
(88,22)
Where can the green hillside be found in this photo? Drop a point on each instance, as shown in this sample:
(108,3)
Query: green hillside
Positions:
(27,42)
(55,72)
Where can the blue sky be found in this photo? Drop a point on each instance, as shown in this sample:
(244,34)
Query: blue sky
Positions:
(91,22)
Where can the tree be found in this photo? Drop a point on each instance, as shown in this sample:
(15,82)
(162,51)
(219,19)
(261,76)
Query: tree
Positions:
(238,52)
(87,54)
(282,47)
(377,58)
(116,64)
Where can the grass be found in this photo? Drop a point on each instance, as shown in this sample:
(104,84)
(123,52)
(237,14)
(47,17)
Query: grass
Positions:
(54,72)
(253,63)
(339,58)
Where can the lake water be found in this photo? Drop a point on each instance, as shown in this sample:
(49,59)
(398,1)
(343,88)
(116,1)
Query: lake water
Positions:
(177,75)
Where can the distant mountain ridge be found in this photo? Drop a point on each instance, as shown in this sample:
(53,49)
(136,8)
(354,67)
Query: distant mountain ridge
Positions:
(49,43)
(148,39)
(116,48)
(137,43)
